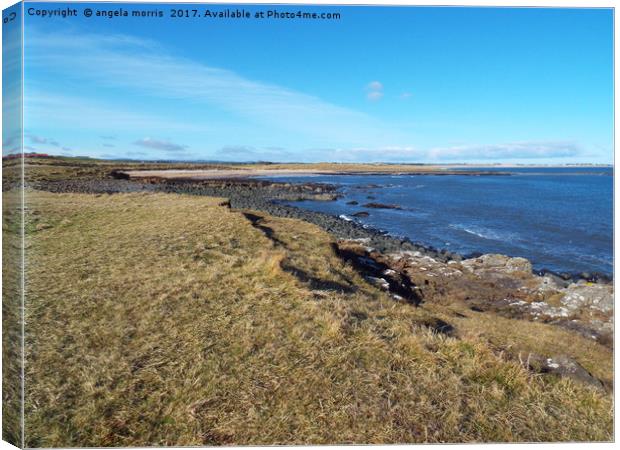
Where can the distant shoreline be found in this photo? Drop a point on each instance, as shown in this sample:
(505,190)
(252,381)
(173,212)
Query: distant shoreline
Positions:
(241,173)
(300,170)
(335,165)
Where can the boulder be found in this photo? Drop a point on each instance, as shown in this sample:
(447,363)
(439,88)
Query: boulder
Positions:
(440,326)
(592,295)
(563,366)
(381,206)
(500,263)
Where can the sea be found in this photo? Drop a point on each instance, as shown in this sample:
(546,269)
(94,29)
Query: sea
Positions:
(561,219)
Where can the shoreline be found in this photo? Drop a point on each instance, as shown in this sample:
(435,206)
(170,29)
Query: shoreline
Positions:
(408,271)
(272,197)
(184,287)
(245,173)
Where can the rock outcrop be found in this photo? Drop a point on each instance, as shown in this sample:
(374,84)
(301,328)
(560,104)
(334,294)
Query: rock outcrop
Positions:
(506,286)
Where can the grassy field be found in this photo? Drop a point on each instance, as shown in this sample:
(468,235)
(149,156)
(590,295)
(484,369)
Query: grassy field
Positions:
(161,319)
(11,316)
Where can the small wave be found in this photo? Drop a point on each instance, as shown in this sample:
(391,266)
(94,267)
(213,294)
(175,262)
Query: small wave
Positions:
(345,217)
(486,233)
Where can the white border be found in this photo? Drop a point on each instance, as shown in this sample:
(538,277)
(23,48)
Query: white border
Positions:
(490,3)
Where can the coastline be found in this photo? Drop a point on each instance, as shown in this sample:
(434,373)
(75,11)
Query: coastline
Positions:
(410,272)
(246,192)
(504,285)
(259,307)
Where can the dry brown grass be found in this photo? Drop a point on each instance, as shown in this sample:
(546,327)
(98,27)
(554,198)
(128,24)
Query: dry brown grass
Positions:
(11,317)
(158,319)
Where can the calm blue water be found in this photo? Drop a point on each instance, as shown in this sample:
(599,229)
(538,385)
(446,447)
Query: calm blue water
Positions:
(560,219)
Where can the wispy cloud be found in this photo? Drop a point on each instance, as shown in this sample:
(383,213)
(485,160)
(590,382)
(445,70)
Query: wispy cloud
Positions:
(462,153)
(249,153)
(63,110)
(34,139)
(156,144)
(374,86)
(40,140)
(143,66)
(367,154)
(514,150)
(374,91)
(223,104)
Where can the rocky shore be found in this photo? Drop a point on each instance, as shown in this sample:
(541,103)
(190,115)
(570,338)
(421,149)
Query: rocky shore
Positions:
(261,195)
(496,283)
(272,197)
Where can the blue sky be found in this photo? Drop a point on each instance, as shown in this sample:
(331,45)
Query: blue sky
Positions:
(392,84)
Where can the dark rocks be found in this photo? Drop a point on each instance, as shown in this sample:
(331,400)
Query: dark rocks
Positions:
(440,326)
(566,277)
(92,186)
(378,273)
(381,206)
(563,366)
(361,214)
(118,175)
(586,276)
(554,277)
(368,186)
(352,202)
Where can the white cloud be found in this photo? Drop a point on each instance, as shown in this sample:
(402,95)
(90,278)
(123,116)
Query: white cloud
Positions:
(250,153)
(364,154)
(40,140)
(156,144)
(514,150)
(374,96)
(259,111)
(374,91)
(374,86)
(121,61)
(37,139)
(405,95)
(463,153)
